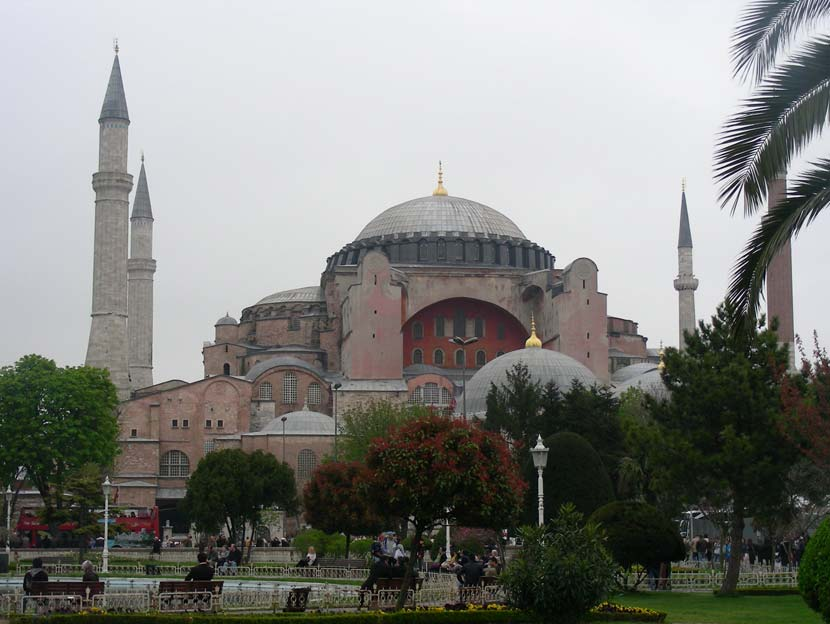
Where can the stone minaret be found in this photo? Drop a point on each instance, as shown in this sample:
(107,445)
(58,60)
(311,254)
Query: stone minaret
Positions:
(780,279)
(112,184)
(686,283)
(140,270)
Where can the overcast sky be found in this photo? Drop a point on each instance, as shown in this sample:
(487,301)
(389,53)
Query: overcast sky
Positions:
(274,131)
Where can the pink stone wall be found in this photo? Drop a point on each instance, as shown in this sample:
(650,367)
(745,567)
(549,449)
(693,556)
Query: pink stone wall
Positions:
(215,357)
(276,377)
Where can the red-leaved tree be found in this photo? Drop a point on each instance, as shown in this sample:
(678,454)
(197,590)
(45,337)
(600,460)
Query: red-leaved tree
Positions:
(335,501)
(806,403)
(435,467)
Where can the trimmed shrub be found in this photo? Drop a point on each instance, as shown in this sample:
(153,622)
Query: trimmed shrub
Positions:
(639,535)
(562,569)
(575,474)
(325,544)
(814,571)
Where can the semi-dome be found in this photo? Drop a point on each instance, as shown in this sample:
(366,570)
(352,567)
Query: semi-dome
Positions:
(307,294)
(633,370)
(301,422)
(542,364)
(650,382)
(226,320)
(441,215)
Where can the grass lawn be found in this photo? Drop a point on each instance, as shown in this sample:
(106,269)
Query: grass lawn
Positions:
(706,608)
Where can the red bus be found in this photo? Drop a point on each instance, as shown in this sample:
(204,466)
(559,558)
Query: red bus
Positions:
(136,521)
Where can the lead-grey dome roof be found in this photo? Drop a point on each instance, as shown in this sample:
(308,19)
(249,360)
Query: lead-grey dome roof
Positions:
(650,382)
(226,320)
(542,364)
(441,215)
(308,294)
(631,371)
(301,422)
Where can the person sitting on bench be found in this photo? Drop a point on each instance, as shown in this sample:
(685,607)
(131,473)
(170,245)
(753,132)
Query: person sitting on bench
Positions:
(202,571)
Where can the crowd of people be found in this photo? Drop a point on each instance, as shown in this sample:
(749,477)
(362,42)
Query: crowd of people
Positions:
(784,555)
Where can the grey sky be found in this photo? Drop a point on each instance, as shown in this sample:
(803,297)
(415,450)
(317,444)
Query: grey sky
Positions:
(274,131)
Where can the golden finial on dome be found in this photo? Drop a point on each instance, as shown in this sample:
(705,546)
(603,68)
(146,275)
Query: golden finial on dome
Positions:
(440,190)
(662,365)
(533,342)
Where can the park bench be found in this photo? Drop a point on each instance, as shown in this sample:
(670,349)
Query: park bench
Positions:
(183,596)
(61,596)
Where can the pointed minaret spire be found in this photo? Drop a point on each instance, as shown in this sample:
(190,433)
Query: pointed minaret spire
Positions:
(115,102)
(140,271)
(686,283)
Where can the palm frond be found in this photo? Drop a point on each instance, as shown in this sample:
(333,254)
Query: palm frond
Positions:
(807,197)
(784,114)
(766,27)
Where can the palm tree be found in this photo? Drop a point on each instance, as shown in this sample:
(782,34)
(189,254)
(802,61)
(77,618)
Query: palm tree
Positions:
(786,111)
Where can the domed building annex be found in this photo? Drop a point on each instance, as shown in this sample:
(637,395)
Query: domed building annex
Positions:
(388,320)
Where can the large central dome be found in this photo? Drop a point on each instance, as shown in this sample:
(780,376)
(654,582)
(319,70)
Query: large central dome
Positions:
(441,215)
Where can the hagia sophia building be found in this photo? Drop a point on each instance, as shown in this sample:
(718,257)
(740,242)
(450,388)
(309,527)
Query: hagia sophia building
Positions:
(377,326)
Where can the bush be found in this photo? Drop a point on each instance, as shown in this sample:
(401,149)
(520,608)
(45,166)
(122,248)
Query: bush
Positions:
(325,544)
(814,571)
(639,535)
(562,569)
(575,474)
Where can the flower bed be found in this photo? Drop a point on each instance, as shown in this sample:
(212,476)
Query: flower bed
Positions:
(613,612)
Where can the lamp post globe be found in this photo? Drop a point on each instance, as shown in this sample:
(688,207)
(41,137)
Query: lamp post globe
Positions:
(105,556)
(540,460)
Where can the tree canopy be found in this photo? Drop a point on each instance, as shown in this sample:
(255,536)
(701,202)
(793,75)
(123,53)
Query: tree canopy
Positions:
(361,425)
(335,501)
(231,488)
(54,421)
(721,440)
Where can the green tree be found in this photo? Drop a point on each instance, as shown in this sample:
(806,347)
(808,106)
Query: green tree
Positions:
(53,421)
(814,572)
(638,534)
(361,425)
(231,488)
(721,442)
(562,570)
(435,467)
(335,501)
(786,111)
(575,474)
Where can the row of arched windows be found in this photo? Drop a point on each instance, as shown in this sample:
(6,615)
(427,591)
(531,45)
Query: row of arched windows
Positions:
(430,394)
(314,396)
(438,357)
(459,327)
(176,464)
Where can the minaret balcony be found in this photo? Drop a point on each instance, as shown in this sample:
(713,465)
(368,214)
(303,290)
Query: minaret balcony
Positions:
(685,282)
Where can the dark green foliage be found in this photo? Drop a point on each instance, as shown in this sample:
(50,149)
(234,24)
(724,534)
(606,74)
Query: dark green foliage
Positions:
(574,474)
(814,572)
(720,434)
(231,488)
(638,534)
(53,421)
(562,569)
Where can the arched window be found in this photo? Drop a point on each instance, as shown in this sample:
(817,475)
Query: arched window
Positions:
(439,326)
(417,356)
(459,357)
(417,396)
(431,394)
(438,357)
(226,369)
(315,396)
(174,464)
(446,397)
(481,357)
(306,463)
(266,392)
(289,388)
(294,323)
(442,249)
(479,327)
(417,330)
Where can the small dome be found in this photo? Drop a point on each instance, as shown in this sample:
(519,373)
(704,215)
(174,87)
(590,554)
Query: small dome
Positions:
(441,215)
(634,370)
(308,294)
(226,320)
(542,364)
(301,422)
(650,382)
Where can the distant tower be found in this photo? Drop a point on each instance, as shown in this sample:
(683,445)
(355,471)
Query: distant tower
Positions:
(686,283)
(140,270)
(780,278)
(112,184)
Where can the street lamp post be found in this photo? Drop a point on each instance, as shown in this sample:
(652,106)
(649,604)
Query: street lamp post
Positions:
(448,548)
(105,556)
(463,342)
(7,495)
(335,388)
(283,419)
(540,460)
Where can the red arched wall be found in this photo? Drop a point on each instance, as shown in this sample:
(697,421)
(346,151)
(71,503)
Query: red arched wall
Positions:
(493,316)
